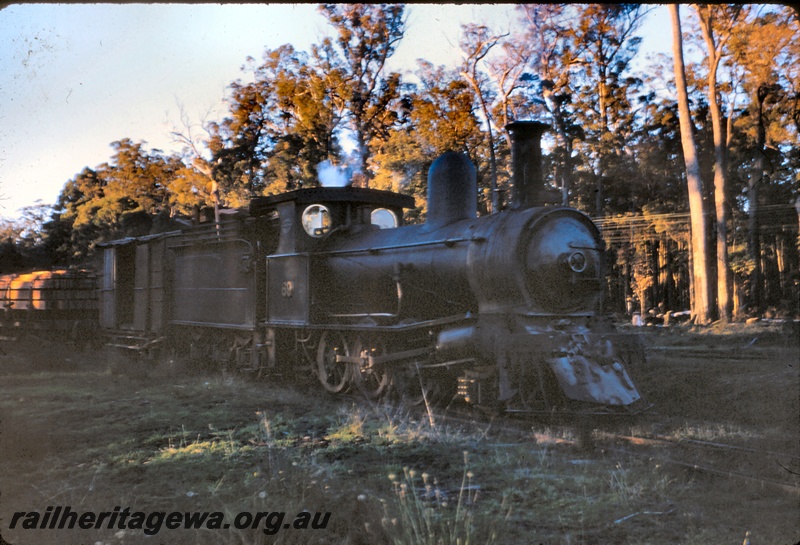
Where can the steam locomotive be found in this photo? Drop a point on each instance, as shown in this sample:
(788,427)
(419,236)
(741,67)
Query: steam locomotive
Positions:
(500,310)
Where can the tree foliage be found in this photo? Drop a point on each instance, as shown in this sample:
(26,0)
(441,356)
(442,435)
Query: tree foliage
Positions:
(281,125)
(439,117)
(616,148)
(367,35)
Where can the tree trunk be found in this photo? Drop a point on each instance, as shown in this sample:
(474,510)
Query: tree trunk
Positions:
(602,103)
(626,288)
(598,194)
(721,143)
(720,169)
(363,156)
(566,174)
(566,170)
(753,186)
(492,158)
(700,302)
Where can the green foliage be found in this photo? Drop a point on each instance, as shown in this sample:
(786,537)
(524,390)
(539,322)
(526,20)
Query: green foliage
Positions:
(188,190)
(614,147)
(21,241)
(93,206)
(367,35)
(440,117)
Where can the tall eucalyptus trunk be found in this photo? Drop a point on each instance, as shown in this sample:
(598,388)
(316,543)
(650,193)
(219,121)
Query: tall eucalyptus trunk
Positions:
(700,301)
(714,47)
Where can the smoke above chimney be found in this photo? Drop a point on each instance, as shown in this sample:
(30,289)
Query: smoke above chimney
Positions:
(330,175)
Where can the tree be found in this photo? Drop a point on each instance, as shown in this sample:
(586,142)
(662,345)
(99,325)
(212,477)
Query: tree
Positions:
(239,143)
(551,62)
(700,299)
(512,79)
(367,35)
(476,43)
(440,117)
(281,125)
(581,55)
(765,49)
(194,185)
(601,45)
(99,203)
(22,241)
(716,24)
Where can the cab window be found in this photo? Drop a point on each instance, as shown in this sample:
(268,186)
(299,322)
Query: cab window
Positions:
(316,220)
(384,218)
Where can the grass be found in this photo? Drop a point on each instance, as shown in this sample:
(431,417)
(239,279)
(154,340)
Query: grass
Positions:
(423,513)
(94,438)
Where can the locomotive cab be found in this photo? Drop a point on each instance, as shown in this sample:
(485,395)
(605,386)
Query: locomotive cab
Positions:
(309,219)
(309,216)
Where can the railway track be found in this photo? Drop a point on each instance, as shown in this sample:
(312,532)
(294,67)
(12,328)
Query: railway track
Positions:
(744,462)
(762,467)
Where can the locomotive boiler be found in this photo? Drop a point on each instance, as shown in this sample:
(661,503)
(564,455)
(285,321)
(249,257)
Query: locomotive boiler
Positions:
(500,310)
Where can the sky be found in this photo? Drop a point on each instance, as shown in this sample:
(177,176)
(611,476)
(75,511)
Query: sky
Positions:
(76,77)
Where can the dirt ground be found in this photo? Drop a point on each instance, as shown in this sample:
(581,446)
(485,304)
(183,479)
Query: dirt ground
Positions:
(95,433)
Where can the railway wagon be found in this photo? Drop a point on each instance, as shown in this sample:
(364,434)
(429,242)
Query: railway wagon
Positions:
(60,302)
(192,292)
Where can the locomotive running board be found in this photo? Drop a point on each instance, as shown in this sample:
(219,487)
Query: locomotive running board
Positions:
(136,347)
(388,358)
(401,326)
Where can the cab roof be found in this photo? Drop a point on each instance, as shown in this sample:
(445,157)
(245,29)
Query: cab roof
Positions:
(356,195)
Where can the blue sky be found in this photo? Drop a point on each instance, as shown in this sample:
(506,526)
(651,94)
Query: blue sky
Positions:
(76,77)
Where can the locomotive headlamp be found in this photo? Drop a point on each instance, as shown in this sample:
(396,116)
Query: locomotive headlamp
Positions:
(577,262)
(316,220)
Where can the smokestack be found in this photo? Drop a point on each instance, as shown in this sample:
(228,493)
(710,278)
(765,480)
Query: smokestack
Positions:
(527,181)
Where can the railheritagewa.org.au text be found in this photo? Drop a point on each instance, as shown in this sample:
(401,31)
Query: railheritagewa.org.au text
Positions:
(65,518)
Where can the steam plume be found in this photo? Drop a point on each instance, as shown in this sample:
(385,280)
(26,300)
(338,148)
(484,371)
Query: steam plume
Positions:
(333,176)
